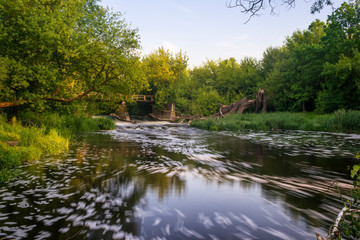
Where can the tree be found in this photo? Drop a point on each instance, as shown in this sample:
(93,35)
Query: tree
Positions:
(62,50)
(277,83)
(306,64)
(255,6)
(341,70)
(164,70)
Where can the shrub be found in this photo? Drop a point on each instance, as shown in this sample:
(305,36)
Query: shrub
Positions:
(105,123)
(350,224)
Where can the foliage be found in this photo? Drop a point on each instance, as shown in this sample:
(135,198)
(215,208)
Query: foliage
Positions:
(350,225)
(164,70)
(340,121)
(105,123)
(318,68)
(41,134)
(61,50)
(30,144)
(67,125)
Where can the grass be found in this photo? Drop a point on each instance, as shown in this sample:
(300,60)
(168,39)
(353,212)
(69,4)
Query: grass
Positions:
(38,135)
(340,121)
(67,125)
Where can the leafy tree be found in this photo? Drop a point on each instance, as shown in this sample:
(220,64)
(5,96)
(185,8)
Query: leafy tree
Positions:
(232,80)
(250,76)
(342,89)
(163,70)
(206,102)
(62,50)
(341,70)
(227,79)
(276,84)
(206,74)
(306,63)
(270,57)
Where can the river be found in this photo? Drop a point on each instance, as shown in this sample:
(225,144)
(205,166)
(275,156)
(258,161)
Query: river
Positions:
(171,181)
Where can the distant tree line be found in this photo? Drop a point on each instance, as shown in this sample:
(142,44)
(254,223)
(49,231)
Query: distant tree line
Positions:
(317,69)
(53,53)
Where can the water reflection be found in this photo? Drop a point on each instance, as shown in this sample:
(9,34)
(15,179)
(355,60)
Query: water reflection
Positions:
(167,182)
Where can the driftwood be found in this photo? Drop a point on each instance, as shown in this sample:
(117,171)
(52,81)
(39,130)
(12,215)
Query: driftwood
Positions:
(243,104)
(334,234)
(335,229)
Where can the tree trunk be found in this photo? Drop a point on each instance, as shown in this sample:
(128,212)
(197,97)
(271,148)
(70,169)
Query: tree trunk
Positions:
(260,101)
(243,104)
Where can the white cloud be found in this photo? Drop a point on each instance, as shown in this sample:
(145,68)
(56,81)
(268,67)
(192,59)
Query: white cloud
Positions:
(171,47)
(184,9)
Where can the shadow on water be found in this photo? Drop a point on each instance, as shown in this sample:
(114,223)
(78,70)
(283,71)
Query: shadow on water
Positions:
(175,182)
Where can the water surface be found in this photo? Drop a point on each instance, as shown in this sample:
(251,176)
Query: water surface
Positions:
(176,182)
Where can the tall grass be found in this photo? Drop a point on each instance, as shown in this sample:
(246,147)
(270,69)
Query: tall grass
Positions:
(19,144)
(67,125)
(40,134)
(340,121)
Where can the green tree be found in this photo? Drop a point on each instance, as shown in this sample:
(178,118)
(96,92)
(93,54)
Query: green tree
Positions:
(342,89)
(276,84)
(341,72)
(164,70)
(62,50)
(250,76)
(306,64)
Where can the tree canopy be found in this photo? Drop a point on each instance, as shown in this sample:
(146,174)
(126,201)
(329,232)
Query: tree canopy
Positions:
(58,51)
(61,50)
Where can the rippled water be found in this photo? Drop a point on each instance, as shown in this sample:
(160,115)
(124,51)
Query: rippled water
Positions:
(175,182)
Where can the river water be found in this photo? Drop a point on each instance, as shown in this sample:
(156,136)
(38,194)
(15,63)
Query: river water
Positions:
(175,182)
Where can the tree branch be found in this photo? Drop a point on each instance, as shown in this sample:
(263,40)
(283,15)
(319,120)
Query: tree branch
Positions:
(12,104)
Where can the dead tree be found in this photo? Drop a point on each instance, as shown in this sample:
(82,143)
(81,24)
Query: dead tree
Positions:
(243,104)
(260,101)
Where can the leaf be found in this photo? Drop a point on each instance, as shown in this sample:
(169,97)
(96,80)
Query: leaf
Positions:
(355,170)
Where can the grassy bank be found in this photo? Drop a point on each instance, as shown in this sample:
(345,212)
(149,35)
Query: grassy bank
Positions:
(340,121)
(40,134)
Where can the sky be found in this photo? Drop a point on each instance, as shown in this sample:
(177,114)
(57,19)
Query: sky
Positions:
(208,30)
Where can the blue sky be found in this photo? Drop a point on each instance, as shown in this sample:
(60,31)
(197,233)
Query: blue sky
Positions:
(207,29)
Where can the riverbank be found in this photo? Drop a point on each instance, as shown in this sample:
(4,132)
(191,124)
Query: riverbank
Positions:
(341,121)
(38,135)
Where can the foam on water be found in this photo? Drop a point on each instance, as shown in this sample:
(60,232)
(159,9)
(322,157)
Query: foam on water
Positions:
(174,182)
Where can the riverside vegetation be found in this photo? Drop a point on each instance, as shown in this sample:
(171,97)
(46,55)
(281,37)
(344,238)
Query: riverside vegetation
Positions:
(54,53)
(339,121)
(350,225)
(47,134)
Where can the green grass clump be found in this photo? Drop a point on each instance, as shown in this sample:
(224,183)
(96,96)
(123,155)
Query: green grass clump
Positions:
(41,134)
(67,125)
(29,143)
(340,121)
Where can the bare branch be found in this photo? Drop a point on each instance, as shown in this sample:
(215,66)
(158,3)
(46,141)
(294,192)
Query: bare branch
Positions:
(253,7)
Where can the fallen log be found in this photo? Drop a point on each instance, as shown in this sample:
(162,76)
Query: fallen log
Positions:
(243,104)
(335,229)
(334,234)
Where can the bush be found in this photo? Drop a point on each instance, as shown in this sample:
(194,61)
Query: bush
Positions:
(350,224)
(105,123)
